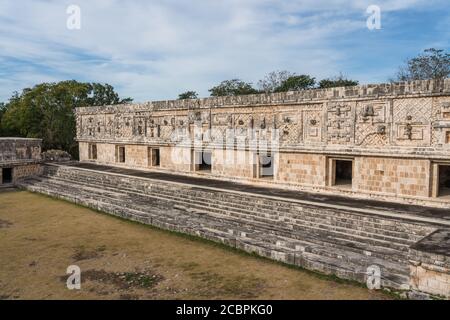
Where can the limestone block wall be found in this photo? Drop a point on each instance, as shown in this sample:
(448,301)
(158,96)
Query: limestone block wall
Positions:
(106,153)
(409,177)
(136,155)
(305,169)
(176,158)
(383,178)
(84,151)
(23,171)
(232,163)
(431,278)
(430,264)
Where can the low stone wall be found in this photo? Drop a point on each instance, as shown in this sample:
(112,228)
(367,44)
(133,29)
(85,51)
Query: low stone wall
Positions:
(19,149)
(23,171)
(430,264)
(19,158)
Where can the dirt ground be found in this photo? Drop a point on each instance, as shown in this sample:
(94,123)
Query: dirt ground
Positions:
(40,237)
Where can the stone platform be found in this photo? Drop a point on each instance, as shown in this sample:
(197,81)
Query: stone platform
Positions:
(330,234)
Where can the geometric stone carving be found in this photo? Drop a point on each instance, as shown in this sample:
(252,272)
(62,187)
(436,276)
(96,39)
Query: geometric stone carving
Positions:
(445,107)
(371,135)
(312,124)
(339,123)
(290,127)
(410,132)
(391,120)
(412,119)
(371,112)
(418,110)
(371,127)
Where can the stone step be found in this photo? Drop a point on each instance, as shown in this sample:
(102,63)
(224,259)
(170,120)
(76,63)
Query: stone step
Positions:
(304,233)
(385,234)
(387,224)
(376,228)
(178,222)
(298,226)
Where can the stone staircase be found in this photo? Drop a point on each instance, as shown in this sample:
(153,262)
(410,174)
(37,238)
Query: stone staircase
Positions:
(332,241)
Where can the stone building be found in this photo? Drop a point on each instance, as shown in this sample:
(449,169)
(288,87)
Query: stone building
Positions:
(388,141)
(19,158)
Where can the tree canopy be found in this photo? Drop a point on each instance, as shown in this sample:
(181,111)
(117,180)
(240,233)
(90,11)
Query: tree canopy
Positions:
(296,82)
(47,111)
(278,81)
(273,80)
(431,64)
(2,111)
(232,87)
(339,81)
(188,95)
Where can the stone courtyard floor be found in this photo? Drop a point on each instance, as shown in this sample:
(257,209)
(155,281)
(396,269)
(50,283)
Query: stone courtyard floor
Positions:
(40,237)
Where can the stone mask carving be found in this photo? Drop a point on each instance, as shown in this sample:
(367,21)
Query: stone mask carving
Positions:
(367,112)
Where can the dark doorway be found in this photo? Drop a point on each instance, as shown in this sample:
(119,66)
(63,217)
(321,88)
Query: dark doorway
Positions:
(93,152)
(444,180)
(266,165)
(6,175)
(206,161)
(154,159)
(344,172)
(121,154)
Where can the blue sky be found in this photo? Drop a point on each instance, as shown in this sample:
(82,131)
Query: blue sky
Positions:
(154,50)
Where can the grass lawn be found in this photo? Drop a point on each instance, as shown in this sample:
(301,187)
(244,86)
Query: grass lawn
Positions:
(40,237)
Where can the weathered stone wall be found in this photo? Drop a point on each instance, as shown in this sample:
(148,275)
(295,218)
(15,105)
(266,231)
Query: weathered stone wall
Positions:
(20,155)
(176,158)
(306,169)
(20,172)
(136,155)
(431,279)
(430,264)
(413,119)
(19,149)
(84,151)
(410,177)
(106,153)
(232,163)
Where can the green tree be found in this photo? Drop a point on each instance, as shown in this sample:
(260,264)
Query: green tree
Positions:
(47,111)
(188,95)
(274,80)
(104,94)
(2,111)
(431,64)
(339,81)
(295,83)
(232,87)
